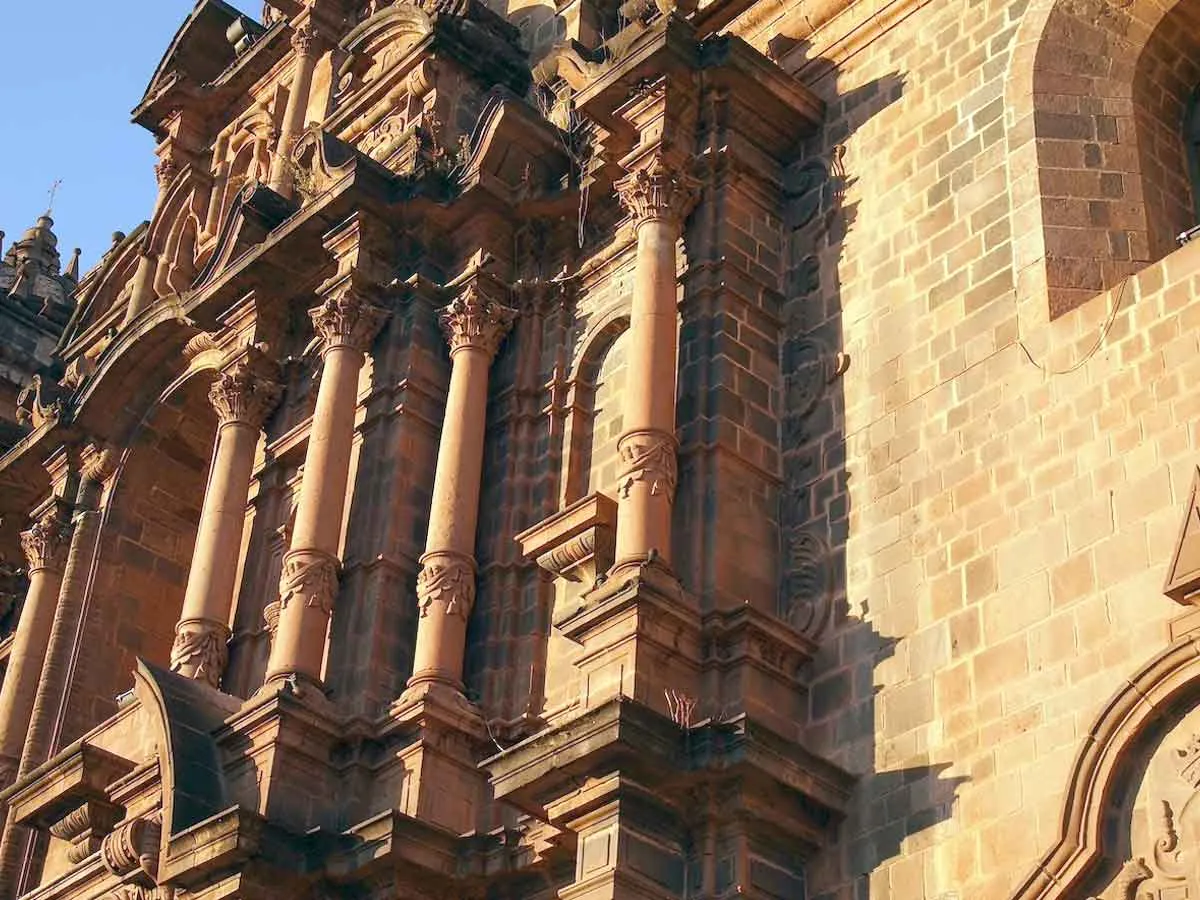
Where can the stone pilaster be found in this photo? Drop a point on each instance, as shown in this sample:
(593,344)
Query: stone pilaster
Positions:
(243,396)
(346,322)
(474,324)
(659,195)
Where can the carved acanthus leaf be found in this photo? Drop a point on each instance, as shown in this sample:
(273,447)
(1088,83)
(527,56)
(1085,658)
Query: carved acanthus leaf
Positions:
(648,456)
(474,320)
(45,542)
(660,191)
(243,394)
(200,651)
(346,318)
(447,580)
(311,577)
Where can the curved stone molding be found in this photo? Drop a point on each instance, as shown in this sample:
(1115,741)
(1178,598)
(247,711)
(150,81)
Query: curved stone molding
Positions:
(242,395)
(311,577)
(1170,679)
(45,543)
(447,580)
(347,319)
(659,192)
(474,320)
(648,456)
(200,651)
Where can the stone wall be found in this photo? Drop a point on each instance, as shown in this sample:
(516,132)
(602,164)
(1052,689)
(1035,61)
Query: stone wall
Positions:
(1014,488)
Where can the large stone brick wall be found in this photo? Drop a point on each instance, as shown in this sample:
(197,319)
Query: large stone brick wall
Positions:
(1014,487)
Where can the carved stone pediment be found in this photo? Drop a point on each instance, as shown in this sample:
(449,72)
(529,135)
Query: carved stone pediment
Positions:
(255,213)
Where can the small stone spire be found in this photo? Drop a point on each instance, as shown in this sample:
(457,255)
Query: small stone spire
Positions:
(72,271)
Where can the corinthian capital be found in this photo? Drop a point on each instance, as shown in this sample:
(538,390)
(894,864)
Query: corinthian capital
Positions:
(45,543)
(447,582)
(475,320)
(310,577)
(660,191)
(306,40)
(346,318)
(242,394)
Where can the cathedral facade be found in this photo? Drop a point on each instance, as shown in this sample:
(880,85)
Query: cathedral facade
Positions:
(659,450)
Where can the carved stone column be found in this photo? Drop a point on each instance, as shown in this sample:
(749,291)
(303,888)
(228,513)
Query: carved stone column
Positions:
(475,324)
(45,548)
(142,294)
(659,196)
(306,42)
(243,396)
(346,322)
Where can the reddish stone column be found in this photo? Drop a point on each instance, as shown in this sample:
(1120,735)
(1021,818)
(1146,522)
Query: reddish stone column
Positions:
(475,325)
(243,397)
(141,295)
(659,196)
(45,547)
(307,45)
(346,322)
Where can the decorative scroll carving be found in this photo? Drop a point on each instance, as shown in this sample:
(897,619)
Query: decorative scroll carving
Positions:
(134,846)
(347,319)
(309,576)
(659,192)
(808,602)
(648,456)
(45,544)
(38,403)
(200,651)
(447,579)
(244,395)
(1187,761)
(474,320)
(85,827)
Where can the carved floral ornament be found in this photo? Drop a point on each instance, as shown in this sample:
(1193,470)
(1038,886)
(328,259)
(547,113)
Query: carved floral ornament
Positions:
(306,40)
(311,577)
(45,543)
(659,192)
(345,318)
(200,651)
(648,456)
(243,395)
(446,580)
(475,321)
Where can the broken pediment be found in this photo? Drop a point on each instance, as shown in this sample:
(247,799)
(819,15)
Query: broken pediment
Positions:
(199,52)
(1183,572)
(256,212)
(515,150)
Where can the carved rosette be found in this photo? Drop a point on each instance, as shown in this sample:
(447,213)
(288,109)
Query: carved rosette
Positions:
(447,580)
(45,543)
(347,319)
(648,456)
(311,577)
(244,396)
(659,192)
(165,170)
(474,320)
(201,651)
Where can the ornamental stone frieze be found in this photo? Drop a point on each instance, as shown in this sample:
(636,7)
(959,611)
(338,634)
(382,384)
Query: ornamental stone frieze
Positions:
(649,457)
(446,581)
(476,321)
(311,578)
(660,191)
(45,542)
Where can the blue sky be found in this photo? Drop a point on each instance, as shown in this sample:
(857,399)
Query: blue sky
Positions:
(65,96)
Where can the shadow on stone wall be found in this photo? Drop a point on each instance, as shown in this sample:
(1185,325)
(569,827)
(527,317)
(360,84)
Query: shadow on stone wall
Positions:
(891,802)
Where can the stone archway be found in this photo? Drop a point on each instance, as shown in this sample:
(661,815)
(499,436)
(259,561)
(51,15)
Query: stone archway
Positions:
(1142,750)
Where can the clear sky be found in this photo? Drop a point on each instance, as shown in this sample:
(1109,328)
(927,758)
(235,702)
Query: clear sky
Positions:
(66,88)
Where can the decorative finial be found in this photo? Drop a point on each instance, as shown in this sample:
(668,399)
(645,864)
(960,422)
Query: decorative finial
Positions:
(53,193)
(1,241)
